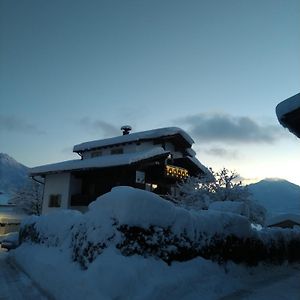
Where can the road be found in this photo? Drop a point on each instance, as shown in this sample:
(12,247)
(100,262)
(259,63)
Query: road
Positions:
(14,284)
(281,285)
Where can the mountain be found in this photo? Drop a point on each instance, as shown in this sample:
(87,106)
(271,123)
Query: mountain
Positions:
(277,196)
(12,174)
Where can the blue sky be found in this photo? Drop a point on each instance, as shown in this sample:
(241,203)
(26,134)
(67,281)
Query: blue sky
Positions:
(73,71)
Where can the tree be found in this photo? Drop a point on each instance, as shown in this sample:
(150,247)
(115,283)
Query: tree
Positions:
(200,192)
(28,198)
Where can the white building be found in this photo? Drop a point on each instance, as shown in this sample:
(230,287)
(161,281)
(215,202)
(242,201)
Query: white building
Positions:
(153,160)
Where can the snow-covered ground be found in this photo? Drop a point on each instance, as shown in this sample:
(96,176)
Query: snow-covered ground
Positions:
(15,284)
(109,273)
(114,276)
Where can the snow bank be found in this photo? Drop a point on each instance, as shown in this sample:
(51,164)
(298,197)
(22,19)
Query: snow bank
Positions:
(134,221)
(114,276)
(135,207)
(11,237)
(234,207)
(119,249)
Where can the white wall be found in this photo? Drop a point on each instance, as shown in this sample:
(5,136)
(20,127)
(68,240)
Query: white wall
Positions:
(56,184)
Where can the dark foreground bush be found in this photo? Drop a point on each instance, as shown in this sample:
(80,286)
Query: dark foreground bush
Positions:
(271,245)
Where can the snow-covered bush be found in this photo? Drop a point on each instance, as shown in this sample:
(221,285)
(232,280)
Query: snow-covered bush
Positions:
(29,198)
(200,192)
(136,222)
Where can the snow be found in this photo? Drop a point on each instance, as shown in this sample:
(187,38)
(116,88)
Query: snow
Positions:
(283,217)
(111,275)
(287,106)
(136,207)
(191,152)
(12,174)
(278,196)
(9,212)
(12,237)
(15,284)
(202,167)
(236,207)
(4,198)
(100,161)
(134,137)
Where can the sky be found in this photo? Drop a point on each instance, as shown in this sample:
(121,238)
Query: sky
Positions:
(73,71)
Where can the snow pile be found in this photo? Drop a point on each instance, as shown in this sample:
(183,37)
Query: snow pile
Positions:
(11,237)
(235,207)
(114,276)
(135,222)
(134,207)
(132,244)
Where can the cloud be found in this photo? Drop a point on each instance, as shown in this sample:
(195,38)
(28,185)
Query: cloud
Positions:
(105,128)
(230,129)
(14,124)
(222,152)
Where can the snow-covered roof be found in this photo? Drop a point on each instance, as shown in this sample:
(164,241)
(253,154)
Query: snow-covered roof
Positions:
(287,106)
(196,162)
(99,162)
(135,137)
(282,218)
(288,114)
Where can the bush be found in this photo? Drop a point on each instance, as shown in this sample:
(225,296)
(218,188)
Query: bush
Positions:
(199,192)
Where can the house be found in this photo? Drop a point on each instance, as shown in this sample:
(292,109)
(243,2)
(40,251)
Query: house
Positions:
(284,221)
(288,114)
(154,160)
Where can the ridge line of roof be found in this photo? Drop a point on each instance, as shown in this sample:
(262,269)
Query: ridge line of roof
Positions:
(133,137)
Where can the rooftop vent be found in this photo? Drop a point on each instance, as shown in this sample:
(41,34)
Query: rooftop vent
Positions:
(126,129)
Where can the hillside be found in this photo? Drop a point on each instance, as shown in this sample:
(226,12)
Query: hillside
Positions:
(12,175)
(277,196)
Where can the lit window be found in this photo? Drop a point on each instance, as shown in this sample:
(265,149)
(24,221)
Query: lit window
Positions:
(176,172)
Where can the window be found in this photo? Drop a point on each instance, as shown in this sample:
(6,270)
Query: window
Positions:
(54,200)
(96,153)
(116,151)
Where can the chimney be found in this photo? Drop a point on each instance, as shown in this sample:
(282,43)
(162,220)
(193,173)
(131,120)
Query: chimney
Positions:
(126,129)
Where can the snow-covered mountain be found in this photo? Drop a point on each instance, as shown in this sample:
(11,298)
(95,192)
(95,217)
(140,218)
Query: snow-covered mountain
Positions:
(12,174)
(277,196)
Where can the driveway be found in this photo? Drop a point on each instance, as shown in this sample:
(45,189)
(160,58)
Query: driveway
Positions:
(14,284)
